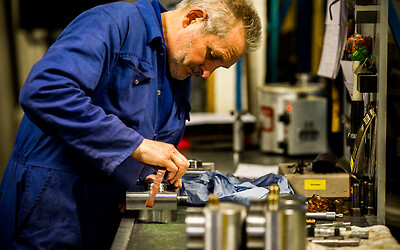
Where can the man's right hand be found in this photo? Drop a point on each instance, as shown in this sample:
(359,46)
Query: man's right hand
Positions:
(160,154)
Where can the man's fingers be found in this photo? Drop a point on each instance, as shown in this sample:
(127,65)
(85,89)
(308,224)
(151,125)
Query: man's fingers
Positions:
(169,176)
(182,163)
(150,178)
(178,183)
(172,170)
(164,155)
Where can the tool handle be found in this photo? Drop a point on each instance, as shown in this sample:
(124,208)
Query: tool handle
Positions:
(154,188)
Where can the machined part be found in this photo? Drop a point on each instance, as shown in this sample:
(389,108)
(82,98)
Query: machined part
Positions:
(164,209)
(337,242)
(276,227)
(216,226)
(324,215)
(255,224)
(164,201)
(198,167)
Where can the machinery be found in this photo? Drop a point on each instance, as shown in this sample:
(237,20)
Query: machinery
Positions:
(293,115)
(167,198)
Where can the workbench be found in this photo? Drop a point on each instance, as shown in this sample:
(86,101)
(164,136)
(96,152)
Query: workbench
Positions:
(153,236)
(156,236)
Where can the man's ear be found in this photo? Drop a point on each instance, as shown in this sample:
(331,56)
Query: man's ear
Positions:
(192,16)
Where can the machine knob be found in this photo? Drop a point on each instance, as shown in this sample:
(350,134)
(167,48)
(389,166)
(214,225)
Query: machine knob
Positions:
(285,118)
(282,145)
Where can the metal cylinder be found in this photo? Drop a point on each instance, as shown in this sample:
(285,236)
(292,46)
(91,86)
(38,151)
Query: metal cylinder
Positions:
(224,226)
(195,164)
(356,210)
(293,208)
(255,224)
(274,223)
(370,199)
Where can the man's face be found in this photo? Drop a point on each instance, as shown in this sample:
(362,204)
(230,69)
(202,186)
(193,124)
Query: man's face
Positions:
(197,54)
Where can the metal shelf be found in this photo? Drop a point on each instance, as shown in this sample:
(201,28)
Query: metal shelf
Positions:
(377,15)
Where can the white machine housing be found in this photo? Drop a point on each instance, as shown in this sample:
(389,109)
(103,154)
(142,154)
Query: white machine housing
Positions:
(293,119)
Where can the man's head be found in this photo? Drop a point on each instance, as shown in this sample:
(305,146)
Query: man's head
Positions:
(202,35)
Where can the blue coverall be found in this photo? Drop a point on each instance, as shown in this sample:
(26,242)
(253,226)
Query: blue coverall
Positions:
(98,91)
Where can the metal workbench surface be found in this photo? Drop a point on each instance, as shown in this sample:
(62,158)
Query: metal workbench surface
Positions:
(137,235)
(151,236)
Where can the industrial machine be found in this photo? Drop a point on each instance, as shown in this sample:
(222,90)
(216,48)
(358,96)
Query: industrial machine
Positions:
(293,119)
(168,197)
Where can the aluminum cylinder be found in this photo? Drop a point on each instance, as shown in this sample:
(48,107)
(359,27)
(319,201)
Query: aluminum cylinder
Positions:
(293,209)
(224,226)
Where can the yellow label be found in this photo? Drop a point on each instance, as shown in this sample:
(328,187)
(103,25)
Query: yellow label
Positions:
(314,184)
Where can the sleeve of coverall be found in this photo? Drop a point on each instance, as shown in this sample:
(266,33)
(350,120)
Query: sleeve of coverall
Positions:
(56,94)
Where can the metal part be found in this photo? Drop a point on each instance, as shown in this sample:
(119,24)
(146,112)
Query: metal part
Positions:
(354,234)
(198,167)
(369,199)
(163,210)
(256,224)
(346,232)
(238,137)
(276,227)
(122,237)
(293,208)
(195,164)
(335,224)
(324,215)
(274,220)
(337,243)
(356,209)
(217,226)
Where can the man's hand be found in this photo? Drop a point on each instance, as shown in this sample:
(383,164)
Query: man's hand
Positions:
(160,154)
(152,177)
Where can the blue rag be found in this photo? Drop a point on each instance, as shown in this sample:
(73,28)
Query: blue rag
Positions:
(230,188)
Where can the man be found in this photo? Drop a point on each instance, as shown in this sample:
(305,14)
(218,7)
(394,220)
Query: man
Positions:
(105,104)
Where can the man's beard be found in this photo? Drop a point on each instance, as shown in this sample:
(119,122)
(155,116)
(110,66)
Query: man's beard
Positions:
(174,66)
(175,63)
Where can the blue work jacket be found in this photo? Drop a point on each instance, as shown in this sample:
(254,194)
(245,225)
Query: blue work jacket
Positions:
(89,103)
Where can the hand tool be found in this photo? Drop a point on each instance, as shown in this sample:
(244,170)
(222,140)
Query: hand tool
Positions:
(154,188)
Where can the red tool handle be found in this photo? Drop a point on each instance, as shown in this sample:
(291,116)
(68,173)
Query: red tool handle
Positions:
(154,188)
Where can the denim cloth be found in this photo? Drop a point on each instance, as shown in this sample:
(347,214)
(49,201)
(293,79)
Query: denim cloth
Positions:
(230,188)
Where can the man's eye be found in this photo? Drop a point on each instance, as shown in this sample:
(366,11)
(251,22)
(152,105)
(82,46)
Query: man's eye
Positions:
(211,55)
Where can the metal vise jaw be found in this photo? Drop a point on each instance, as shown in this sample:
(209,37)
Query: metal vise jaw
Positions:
(164,209)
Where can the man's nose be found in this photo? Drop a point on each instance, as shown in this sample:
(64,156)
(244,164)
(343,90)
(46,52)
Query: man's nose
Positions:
(206,70)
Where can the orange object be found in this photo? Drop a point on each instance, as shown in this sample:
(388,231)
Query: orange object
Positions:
(320,204)
(357,41)
(154,188)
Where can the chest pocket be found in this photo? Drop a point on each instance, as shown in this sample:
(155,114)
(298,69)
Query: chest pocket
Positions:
(127,90)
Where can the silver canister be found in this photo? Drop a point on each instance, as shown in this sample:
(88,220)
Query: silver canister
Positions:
(293,208)
(218,226)
(224,223)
